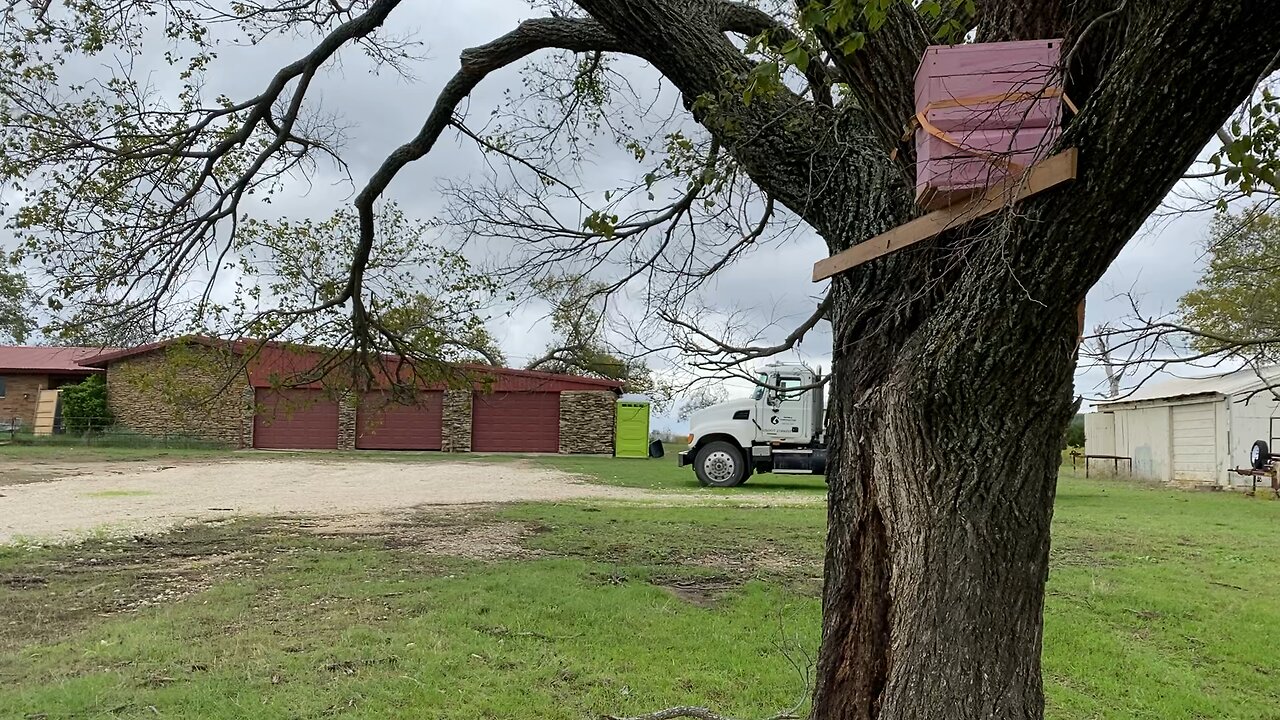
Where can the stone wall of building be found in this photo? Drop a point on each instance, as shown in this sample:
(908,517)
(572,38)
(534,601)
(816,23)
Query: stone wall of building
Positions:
(587,421)
(347,420)
(19,398)
(248,408)
(188,391)
(456,433)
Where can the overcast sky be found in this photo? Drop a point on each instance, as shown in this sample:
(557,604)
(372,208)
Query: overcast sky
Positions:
(384,110)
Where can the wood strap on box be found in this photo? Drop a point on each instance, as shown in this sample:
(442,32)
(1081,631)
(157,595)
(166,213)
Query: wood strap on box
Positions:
(921,121)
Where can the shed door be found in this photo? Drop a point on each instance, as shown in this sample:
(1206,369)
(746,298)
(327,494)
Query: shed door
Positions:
(1195,442)
(385,425)
(516,422)
(295,419)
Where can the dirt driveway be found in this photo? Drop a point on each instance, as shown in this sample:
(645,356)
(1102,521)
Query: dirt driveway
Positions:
(75,500)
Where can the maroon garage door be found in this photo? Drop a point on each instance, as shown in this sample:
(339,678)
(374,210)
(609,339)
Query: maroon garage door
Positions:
(295,420)
(386,425)
(516,422)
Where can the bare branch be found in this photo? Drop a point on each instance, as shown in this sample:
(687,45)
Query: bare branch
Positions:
(698,713)
(579,35)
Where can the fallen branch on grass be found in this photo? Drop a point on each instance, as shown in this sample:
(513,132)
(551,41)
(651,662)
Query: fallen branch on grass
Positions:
(683,711)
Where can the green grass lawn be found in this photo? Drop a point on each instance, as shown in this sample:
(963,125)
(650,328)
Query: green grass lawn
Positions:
(48,453)
(1161,604)
(663,474)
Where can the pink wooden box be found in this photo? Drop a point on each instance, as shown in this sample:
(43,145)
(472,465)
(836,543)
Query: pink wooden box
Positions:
(986,110)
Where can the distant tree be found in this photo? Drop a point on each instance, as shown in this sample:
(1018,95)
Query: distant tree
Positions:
(17,306)
(422,302)
(579,346)
(1098,348)
(1075,433)
(1236,302)
(423,318)
(700,398)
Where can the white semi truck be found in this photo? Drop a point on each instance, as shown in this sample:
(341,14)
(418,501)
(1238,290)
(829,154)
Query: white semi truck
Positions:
(778,429)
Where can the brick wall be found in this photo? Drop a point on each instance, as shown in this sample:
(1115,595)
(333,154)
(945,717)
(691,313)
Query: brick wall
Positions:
(19,400)
(456,433)
(184,391)
(587,421)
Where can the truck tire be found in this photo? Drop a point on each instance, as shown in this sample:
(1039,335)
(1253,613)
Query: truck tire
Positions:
(1260,455)
(720,464)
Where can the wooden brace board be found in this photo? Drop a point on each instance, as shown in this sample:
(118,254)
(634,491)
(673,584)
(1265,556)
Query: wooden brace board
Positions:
(1042,176)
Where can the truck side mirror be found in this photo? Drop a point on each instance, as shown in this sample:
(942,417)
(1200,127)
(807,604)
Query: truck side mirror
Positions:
(773,396)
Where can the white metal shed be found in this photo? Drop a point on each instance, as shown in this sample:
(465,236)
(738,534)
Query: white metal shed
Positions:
(1190,430)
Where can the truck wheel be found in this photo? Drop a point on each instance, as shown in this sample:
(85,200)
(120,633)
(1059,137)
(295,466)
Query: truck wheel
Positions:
(1259,455)
(720,464)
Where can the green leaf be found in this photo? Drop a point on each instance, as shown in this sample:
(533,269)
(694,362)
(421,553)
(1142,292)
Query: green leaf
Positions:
(812,16)
(797,56)
(853,43)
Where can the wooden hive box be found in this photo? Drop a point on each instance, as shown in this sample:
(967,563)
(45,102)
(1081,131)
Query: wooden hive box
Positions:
(985,111)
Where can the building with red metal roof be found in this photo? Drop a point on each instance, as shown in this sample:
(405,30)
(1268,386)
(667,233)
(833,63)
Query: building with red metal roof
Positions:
(276,395)
(26,370)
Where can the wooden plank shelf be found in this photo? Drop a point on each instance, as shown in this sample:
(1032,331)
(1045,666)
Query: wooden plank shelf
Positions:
(1042,176)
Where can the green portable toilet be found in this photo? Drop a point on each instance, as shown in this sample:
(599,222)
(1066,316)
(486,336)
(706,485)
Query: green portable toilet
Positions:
(631,436)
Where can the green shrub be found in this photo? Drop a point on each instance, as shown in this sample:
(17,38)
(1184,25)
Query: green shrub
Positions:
(84,406)
(1075,433)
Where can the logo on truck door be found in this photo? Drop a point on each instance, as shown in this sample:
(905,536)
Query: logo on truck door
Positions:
(786,405)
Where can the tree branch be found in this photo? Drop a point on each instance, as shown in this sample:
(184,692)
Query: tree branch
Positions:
(881,74)
(746,353)
(750,21)
(578,35)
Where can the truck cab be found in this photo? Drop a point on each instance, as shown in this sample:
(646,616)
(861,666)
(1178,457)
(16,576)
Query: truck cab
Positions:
(779,429)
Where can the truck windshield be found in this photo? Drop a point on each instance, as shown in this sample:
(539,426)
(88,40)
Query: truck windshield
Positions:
(759,393)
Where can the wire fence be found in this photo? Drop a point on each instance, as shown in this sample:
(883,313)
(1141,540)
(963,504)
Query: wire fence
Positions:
(98,432)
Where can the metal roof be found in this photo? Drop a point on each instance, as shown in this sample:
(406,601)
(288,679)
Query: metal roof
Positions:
(1224,384)
(277,358)
(25,359)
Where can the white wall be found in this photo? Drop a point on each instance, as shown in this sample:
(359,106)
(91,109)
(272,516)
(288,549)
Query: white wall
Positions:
(1250,419)
(1207,449)
(1143,434)
(1100,433)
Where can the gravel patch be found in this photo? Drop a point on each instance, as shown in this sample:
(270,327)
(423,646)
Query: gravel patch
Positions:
(149,499)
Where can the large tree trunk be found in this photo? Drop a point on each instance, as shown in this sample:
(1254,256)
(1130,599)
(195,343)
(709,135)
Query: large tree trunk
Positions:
(953,379)
(941,500)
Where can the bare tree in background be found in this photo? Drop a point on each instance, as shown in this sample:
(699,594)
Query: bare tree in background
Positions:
(703,397)
(954,361)
(1098,346)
